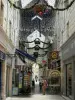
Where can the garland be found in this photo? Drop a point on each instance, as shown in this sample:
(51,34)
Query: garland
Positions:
(34,41)
(59,9)
(18,7)
(38,47)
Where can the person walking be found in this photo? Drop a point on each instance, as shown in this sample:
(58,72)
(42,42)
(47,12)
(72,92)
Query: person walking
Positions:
(40,85)
(44,86)
(33,83)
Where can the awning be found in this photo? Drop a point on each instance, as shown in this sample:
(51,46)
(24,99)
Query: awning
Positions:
(25,54)
(19,62)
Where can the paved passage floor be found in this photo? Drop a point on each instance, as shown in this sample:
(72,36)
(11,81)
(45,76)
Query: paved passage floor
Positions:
(39,97)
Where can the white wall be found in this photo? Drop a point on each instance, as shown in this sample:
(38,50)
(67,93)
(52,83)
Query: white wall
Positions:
(11,14)
(64,24)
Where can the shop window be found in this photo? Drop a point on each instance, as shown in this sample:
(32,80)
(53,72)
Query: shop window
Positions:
(69,80)
(10,29)
(55,80)
(66,2)
(68,29)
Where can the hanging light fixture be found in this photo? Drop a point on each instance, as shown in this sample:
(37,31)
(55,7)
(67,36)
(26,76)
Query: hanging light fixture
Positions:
(35,54)
(39,8)
(37,41)
(37,47)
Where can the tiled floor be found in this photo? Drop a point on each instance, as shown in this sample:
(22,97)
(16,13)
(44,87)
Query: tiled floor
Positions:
(38,97)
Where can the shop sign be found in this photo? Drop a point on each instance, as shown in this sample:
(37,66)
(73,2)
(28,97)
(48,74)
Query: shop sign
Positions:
(15,91)
(54,55)
(55,73)
(2,55)
(44,61)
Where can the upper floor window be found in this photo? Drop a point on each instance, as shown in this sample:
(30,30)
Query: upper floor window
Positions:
(10,29)
(1,12)
(66,2)
(67,29)
(1,5)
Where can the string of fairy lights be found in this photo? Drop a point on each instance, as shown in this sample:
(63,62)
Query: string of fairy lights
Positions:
(38,47)
(36,40)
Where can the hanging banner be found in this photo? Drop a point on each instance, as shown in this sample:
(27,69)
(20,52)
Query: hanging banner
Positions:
(25,54)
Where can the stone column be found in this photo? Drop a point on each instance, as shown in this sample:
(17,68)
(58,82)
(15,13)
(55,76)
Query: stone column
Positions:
(10,82)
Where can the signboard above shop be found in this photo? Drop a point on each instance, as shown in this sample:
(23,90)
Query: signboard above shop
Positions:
(54,55)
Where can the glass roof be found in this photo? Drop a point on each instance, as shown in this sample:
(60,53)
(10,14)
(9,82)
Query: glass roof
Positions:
(26,2)
(51,2)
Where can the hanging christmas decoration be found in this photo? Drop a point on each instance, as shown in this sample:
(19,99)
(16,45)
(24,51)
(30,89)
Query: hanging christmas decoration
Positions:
(35,54)
(44,61)
(39,8)
(46,11)
(40,13)
(47,5)
(37,39)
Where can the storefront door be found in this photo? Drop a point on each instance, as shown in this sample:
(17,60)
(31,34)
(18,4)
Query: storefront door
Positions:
(69,80)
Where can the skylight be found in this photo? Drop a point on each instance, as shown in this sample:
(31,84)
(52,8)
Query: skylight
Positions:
(26,2)
(51,2)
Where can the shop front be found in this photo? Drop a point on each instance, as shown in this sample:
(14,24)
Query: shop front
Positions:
(68,68)
(2,58)
(9,70)
(22,80)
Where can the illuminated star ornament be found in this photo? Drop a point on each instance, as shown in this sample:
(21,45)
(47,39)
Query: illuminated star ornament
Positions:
(38,17)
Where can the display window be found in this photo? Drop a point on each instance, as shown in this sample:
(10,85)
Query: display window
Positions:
(69,80)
